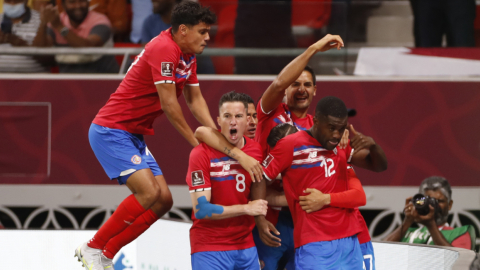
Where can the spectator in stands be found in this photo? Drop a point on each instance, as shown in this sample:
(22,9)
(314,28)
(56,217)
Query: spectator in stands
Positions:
(19,25)
(77,27)
(258,25)
(159,20)
(141,9)
(435,18)
(115,10)
(434,229)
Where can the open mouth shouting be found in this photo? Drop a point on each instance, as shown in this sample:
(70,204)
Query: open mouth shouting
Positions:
(233,134)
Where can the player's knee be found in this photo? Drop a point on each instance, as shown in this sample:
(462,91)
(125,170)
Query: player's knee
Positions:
(152,196)
(167,200)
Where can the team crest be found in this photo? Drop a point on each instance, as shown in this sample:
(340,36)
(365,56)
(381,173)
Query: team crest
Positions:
(267,161)
(167,69)
(197,178)
(136,159)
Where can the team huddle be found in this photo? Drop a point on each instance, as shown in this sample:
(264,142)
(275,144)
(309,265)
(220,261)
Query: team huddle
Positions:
(280,193)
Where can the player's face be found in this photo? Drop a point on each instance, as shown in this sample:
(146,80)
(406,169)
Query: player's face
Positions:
(301,92)
(328,130)
(197,37)
(445,206)
(76,10)
(252,121)
(233,121)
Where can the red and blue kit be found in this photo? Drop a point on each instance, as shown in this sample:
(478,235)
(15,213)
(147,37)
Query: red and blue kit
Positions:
(135,104)
(304,163)
(230,184)
(269,120)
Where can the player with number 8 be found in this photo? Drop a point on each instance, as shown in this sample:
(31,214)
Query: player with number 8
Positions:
(220,189)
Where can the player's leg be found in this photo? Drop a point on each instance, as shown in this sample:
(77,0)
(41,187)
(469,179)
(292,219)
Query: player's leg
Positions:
(285,227)
(143,222)
(368,255)
(351,251)
(247,259)
(318,256)
(118,153)
(214,260)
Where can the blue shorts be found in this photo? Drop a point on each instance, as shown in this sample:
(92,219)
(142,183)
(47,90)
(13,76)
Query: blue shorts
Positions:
(243,259)
(341,254)
(120,152)
(368,255)
(283,255)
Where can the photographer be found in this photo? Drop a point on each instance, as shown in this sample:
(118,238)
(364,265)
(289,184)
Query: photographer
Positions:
(434,229)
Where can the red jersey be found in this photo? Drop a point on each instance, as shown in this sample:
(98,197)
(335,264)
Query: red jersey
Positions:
(135,104)
(364,235)
(209,169)
(266,122)
(282,114)
(305,164)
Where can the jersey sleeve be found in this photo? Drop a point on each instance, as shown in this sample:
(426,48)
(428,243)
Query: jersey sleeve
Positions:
(353,197)
(463,241)
(279,159)
(164,64)
(198,175)
(193,80)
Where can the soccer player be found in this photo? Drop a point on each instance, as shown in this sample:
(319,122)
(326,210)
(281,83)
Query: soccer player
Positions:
(221,235)
(154,81)
(324,239)
(252,120)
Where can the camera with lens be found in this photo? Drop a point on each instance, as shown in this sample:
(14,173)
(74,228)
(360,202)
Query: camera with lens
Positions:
(422,203)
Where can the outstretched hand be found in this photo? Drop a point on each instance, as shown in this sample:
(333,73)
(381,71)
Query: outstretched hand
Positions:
(328,42)
(360,141)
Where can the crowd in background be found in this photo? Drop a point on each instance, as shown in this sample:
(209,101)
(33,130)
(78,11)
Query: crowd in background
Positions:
(241,23)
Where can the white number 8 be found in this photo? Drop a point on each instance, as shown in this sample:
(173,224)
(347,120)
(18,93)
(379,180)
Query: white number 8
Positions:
(240,182)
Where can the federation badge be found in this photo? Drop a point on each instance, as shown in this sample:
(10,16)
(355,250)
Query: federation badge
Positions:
(167,69)
(197,178)
(136,160)
(267,161)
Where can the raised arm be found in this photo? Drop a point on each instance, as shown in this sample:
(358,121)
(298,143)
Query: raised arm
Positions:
(197,105)
(213,138)
(203,209)
(274,94)
(368,154)
(171,107)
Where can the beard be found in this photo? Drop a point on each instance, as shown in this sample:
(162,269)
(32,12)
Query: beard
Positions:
(75,18)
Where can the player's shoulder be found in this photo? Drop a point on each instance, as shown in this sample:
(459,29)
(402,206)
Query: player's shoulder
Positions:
(163,43)
(201,149)
(252,146)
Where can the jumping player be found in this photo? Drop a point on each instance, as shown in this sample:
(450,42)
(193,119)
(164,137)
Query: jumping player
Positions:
(220,189)
(311,159)
(154,81)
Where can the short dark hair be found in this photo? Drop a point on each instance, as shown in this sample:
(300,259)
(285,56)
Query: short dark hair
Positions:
(248,98)
(310,70)
(331,106)
(233,97)
(191,13)
(279,132)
